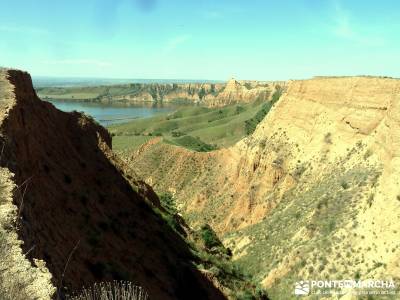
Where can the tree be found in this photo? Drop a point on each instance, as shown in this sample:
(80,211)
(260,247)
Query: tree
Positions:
(209,237)
(168,202)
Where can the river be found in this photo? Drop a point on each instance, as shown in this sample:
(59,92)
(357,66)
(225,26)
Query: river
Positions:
(108,114)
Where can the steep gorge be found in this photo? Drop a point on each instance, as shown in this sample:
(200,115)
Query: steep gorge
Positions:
(79,217)
(314,192)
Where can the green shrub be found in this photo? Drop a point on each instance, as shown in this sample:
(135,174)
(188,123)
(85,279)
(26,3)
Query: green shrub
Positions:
(367,154)
(168,202)
(251,124)
(245,295)
(193,143)
(169,219)
(209,237)
(257,294)
(344,185)
(370,199)
(328,138)
(239,109)
(177,133)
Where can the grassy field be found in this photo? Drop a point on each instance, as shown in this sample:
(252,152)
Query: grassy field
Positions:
(124,142)
(197,128)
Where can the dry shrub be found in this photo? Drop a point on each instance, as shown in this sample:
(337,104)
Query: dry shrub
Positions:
(116,290)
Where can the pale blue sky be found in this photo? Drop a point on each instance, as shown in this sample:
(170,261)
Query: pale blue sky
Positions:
(202,39)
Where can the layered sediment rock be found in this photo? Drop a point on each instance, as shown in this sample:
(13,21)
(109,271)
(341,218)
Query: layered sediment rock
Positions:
(319,175)
(210,94)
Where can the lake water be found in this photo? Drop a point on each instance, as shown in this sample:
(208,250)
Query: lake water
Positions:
(108,114)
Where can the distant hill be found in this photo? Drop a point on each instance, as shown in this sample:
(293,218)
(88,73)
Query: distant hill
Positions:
(47,81)
(207,93)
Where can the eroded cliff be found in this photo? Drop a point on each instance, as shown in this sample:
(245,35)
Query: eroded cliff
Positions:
(210,94)
(314,192)
(78,212)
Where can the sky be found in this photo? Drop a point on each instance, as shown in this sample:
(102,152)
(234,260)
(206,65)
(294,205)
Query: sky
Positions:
(201,39)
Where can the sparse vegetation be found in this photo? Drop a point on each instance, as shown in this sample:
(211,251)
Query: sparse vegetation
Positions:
(193,143)
(209,237)
(16,272)
(370,199)
(344,185)
(368,153)
(328,138)
(116,290)
(214,257)
(317,213)
(168,202)
(169,219)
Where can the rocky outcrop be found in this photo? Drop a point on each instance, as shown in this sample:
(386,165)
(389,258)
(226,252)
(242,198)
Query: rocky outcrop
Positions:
(319,176)
(243,92)
(78,212)
(210,94)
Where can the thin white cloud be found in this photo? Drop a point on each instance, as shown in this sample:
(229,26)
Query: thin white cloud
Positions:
(23,30)
(344,28)
(212,15)
(89,62)
(177,41)
(342,24)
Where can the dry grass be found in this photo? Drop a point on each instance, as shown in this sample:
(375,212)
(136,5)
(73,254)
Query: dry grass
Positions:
(116,290)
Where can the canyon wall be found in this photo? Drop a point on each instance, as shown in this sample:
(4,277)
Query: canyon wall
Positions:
(79,217)
(218,94)
(314,191)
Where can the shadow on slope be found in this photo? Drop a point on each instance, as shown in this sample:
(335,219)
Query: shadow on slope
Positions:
(78,204)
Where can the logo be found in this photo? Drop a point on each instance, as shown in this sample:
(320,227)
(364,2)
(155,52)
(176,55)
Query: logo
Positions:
(302,288)
(341,287)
